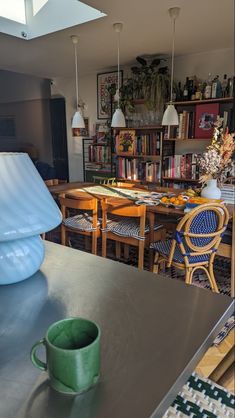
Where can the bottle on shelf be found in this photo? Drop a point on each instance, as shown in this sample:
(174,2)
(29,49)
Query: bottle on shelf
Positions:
(199,89)
(230,87)
(224,85)
(190,88)
(208,88)
(179,95)
(185,91)
(216,89)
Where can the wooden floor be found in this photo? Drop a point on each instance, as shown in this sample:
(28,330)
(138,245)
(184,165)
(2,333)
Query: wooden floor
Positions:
(218,364)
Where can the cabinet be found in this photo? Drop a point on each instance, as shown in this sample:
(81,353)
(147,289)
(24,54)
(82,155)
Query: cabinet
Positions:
(138,154)
(96,159)
(191,137)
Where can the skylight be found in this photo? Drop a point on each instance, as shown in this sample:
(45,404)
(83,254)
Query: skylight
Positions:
(13,10)
(28,19)
(37,5)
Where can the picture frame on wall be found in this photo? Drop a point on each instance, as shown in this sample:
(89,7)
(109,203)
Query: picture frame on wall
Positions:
(104,81)
(83,132)
(7,126)
(206,116)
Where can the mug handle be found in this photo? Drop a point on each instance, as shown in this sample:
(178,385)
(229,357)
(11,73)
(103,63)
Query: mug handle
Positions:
(35,360)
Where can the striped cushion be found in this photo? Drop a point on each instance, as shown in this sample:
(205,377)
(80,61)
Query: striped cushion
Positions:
(163,247)
(202,398)
(82,222)
(127,227)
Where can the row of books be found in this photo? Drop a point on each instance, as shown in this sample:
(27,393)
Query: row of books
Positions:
(99,154)
(134,169)
(146,144)
(181,166)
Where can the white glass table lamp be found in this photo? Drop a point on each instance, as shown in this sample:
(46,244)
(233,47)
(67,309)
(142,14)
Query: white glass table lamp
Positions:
(27,210)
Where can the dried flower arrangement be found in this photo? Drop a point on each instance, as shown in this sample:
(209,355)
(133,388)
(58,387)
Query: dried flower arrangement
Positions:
(217,162)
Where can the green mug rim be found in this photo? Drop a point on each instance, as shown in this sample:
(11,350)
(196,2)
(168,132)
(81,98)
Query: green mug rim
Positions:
(68,350)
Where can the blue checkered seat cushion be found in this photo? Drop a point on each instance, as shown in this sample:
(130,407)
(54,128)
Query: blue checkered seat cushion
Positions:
(81,222)
(163,248)
(127,227)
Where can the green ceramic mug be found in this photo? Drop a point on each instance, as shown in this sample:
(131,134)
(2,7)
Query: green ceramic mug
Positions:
(72,355)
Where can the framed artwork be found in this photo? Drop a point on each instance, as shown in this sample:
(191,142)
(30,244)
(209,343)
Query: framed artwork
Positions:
(7,127)
(125,142)
(84,132)
(104,81)
(206,115)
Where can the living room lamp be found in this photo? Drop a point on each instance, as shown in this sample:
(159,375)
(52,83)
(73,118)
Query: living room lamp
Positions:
(170,116)
(27,210)
(78,121)
(118,119)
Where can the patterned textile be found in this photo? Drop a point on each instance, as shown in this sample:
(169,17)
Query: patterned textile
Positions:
(202,398)
(127,227)
(163,248)
(229,325)
(205,222)
(82,222)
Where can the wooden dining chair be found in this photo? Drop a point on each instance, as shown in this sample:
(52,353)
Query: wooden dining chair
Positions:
(104,180)
(196,240)
(82,222)
(126,223)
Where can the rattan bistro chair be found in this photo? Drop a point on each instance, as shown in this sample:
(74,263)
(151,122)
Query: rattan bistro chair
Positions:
(126,223)
(195,242)
(84,223)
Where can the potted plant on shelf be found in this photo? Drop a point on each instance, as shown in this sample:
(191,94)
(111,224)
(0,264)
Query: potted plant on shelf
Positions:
(216,162)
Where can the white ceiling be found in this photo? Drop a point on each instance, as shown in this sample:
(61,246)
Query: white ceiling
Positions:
(203,25)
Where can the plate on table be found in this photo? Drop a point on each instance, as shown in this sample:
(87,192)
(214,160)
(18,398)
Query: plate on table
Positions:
(177,202)
(147,202)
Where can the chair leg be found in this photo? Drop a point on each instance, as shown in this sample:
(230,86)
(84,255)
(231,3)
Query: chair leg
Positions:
(141,255)
(94,243)
(155,263)
(118,250)
(211,278)
(63,235)
(188,275)
(104,244)
(126,251)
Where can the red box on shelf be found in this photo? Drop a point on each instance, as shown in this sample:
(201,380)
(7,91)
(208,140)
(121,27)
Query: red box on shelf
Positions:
(206,115)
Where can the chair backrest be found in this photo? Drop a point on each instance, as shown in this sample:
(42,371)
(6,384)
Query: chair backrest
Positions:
(201,230)
(81,203)
(104,180)
(123,209)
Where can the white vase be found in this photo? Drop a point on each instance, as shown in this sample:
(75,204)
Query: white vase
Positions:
(211,191)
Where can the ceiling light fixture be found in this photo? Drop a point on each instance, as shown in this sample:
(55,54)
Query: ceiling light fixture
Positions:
(78,121)
(170,116)
(118,119)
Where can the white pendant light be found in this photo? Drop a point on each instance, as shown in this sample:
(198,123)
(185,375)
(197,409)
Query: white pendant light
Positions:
(78,121)
(118,119)
(170,116)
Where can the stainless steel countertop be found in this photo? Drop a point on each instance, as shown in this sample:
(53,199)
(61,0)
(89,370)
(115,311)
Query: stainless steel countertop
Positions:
(154,331)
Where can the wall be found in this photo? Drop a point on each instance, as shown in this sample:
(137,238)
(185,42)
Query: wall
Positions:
(217,62)
(27,99)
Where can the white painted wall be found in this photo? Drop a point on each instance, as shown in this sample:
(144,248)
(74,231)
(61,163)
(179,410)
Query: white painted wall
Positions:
(217,62)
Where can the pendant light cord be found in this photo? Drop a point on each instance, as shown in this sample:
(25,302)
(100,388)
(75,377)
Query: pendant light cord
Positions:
(172,60)
(76,71)
(118,49)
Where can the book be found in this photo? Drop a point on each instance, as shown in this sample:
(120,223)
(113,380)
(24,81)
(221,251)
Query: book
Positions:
(206,115)
(125,142)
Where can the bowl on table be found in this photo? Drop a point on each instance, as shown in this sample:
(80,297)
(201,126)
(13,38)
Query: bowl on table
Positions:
(178,202)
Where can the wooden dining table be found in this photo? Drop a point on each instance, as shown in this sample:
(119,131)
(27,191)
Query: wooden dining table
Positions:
(125,195)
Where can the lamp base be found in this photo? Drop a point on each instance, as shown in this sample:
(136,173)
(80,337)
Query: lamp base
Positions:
(20,259)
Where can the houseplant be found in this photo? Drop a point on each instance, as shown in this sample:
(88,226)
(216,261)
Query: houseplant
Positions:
(217,161)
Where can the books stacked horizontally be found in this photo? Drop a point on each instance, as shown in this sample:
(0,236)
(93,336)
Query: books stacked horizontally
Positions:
(228,193)
(181,166)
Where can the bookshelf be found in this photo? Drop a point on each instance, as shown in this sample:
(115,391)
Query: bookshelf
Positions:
(97,159)
(179,164)
(142,158)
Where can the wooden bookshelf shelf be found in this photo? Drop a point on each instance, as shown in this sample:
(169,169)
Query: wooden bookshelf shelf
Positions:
(152,157)
(180,179)
(187,139)
(204,101)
